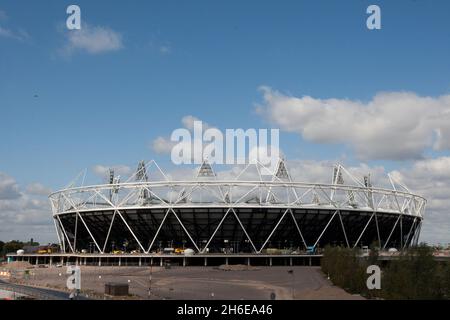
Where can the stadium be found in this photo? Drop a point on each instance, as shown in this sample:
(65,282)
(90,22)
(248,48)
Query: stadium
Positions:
(211,216)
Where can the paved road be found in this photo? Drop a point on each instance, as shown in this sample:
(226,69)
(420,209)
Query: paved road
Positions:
(38,293)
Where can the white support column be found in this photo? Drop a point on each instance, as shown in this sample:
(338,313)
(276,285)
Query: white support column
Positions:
(273,231)
(401,232)
(89,231)
(245,231)
(75,234)
(378,230)
(298,228)
(215,231)
(387,241)
(65,234)
(157,231)
(58,232)
(409,233)
(362,233)
(343,229)
(185,230)
(325,229)
(109,231)
(131,231)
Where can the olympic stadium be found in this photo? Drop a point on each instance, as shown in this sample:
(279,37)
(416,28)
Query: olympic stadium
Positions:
(269,214)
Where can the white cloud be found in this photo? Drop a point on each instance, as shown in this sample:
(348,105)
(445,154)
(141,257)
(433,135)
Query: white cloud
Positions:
(93,40)
(24,215)
(38,189)
(9,189)
(162,145)
(19,35)
(188,122)
(396,125)
(431,179)
(119,170)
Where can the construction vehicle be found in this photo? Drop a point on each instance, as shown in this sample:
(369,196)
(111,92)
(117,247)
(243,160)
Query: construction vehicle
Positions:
(44,251)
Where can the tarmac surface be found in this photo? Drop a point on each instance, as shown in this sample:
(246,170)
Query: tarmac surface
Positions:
(196,283)
(35,293)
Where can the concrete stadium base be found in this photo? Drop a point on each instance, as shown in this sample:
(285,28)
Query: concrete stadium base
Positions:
(169,259)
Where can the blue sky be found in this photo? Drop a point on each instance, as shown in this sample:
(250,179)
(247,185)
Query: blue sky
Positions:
(206,59)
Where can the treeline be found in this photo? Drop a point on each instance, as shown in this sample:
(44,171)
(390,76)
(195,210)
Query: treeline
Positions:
(13,246)
(415,275)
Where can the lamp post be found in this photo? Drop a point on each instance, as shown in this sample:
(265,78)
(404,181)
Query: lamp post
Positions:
(150,281)
(291,272)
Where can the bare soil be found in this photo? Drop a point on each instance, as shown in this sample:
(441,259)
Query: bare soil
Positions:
(198,283)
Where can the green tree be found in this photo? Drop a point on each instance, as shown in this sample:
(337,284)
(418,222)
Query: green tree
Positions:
(345,268)
(12,246)
(2,244)
(415,275)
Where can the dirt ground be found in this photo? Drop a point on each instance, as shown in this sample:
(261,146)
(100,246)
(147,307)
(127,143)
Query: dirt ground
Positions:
(198,283)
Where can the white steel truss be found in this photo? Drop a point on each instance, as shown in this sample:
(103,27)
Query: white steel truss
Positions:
(207,191)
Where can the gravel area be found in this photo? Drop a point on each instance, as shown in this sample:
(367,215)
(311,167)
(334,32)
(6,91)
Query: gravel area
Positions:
(197,283)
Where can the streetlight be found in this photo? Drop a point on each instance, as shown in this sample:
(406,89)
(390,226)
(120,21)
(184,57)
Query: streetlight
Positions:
(150,281)
(293,283)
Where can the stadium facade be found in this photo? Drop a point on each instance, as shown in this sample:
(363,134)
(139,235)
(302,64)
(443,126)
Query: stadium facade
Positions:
(234,216)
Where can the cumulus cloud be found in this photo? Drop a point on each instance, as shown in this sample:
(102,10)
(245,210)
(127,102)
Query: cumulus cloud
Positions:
(119,170)
(9,189)
(395,125)
(92,39)
(431,179)
(24,215)
(188,122)
(38,189)
(163,145)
